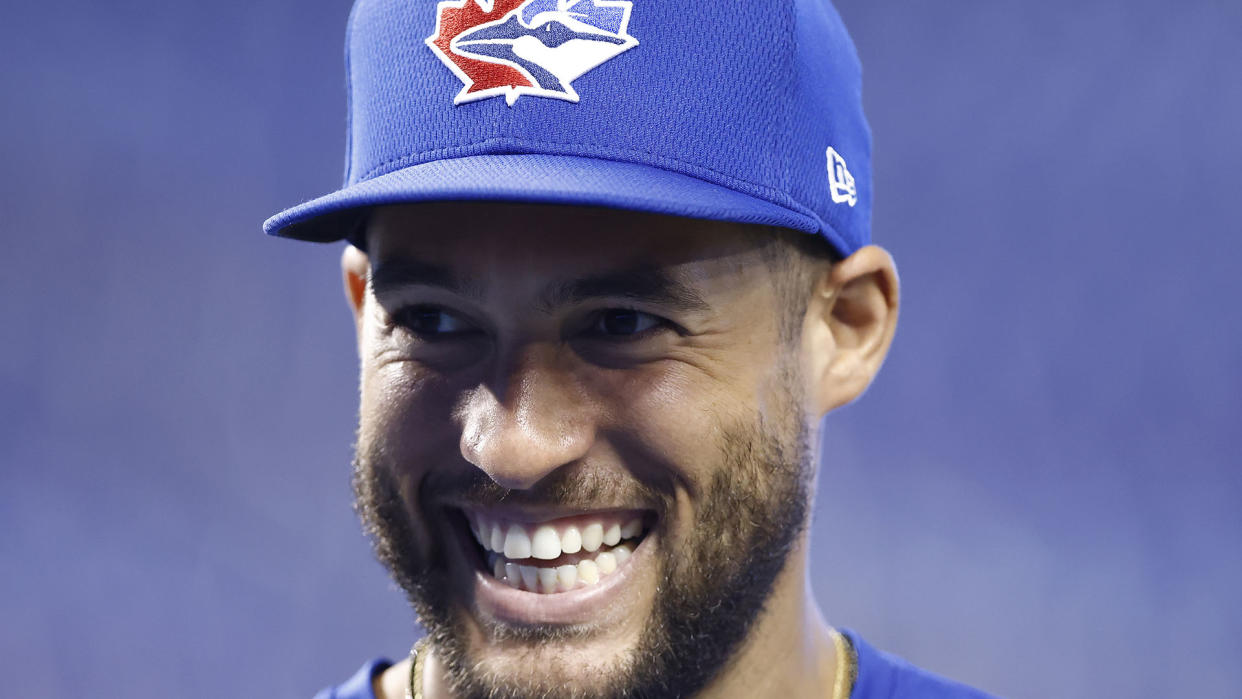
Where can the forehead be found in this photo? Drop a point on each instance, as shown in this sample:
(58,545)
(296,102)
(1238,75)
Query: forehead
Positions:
(490,240)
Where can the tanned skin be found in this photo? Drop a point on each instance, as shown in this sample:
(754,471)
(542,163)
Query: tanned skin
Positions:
(488,378)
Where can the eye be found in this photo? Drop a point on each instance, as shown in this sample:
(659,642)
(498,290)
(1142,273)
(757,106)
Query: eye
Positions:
(432,323)
(624,323)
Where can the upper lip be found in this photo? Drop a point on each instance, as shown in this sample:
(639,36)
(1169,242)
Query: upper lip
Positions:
(526,514)
(494,598)
(549,539)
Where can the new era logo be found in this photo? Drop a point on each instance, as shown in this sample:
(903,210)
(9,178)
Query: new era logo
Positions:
(840,181)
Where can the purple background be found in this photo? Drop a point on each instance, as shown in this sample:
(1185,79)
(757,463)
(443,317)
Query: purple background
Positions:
(1040,495)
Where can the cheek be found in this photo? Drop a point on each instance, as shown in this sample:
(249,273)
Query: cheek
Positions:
(406,416)
(668,423)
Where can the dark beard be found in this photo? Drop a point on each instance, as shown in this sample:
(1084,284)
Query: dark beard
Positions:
(710,595)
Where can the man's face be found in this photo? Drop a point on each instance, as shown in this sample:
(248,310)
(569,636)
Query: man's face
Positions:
(582,446)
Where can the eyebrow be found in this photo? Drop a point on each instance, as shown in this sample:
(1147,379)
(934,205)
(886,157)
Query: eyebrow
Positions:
(642,283)
(389,276)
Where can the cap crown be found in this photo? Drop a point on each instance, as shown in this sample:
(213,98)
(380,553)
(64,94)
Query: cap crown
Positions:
(756,96)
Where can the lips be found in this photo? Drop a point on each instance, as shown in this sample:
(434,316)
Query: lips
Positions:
(555,555)
(541,565)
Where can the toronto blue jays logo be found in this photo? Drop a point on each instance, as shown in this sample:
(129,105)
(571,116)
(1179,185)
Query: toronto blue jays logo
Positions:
(527,47)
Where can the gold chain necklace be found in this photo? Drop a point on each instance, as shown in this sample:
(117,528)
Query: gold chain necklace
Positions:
(847,666)
(415,688)
(842,687)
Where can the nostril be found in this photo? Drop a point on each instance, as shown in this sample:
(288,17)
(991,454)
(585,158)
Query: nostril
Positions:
(535,425)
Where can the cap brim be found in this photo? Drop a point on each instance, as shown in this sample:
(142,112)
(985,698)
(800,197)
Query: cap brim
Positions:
(536,178)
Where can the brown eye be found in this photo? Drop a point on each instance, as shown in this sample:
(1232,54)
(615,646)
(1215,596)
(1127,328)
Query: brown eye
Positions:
(432,323)
(624,322)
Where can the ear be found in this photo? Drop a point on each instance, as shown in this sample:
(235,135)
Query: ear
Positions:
(849,326)
(354,267)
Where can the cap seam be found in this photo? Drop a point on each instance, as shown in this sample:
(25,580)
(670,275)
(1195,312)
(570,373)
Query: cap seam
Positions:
(349,94)
(635,155)
(785,133)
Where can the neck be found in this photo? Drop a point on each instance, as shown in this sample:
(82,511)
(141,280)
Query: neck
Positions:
(790,650)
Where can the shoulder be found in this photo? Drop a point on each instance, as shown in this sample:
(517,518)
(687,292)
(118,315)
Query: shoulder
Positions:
(360,685)
(885,676)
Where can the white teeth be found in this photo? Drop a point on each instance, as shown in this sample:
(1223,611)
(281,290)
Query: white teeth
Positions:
(495,537)
(592,537)
(621,553)
(530,577)
(567,576)
(571,540)
(632,528)
(545,544)
(548,578)
(588,571)
(517,543)
(507,544)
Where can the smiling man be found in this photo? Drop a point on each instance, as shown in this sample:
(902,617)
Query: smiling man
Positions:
(599,322)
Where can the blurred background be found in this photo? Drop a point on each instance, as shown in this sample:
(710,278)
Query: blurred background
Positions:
(1041,495)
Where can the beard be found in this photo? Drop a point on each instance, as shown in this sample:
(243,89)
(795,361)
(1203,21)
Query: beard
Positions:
(711,590)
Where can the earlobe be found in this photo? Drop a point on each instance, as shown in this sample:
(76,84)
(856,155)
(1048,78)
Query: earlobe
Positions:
(850,323)
(354,268)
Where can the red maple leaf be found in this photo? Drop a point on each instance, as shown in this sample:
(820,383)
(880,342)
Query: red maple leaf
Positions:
(454,21)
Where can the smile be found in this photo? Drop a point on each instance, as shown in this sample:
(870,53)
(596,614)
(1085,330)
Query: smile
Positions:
(558,555)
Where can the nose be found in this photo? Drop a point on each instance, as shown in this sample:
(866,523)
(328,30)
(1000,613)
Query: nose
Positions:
(529,421)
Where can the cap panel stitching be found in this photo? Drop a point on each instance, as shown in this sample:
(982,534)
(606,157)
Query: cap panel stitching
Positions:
(349,93)
(787,131)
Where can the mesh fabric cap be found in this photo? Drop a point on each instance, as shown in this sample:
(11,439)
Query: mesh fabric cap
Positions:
(728,111)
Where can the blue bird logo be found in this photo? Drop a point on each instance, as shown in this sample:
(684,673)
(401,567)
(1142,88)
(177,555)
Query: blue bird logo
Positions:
(537,48)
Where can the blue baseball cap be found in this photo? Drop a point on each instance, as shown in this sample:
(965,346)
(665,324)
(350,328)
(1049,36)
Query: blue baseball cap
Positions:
(748,112)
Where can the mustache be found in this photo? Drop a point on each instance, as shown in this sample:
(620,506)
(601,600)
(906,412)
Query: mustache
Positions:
(571,487)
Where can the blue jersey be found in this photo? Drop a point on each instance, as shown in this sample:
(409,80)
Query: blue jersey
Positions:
(880,676)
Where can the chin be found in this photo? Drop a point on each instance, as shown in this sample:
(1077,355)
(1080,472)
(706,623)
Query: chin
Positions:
(597,665)
(541,636)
